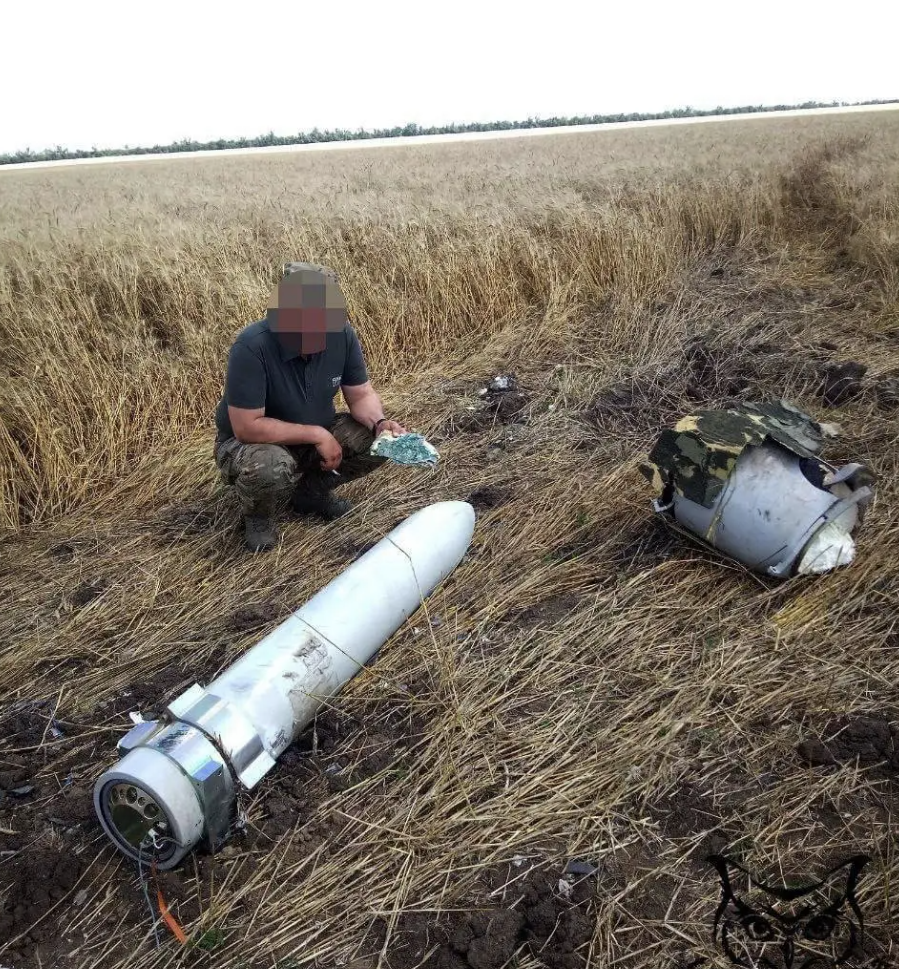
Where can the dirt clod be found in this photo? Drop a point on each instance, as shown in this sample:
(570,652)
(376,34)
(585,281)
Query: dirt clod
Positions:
(684,812)
(488,497)
(815,754)
(38,880)
(248,618)
(868,741)
(487,940)
(841,382)
(151,695)
(88,591)
(550,926)
(24,724)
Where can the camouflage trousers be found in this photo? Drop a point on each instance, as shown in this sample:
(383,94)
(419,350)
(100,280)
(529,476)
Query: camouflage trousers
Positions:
(265,476)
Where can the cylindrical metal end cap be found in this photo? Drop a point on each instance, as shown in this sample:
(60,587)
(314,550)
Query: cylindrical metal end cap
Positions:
(149,808)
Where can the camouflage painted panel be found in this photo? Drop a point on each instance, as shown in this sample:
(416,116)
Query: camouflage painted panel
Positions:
(698,455)
(791,427)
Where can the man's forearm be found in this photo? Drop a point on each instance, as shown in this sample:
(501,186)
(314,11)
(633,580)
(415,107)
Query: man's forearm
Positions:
(367,411)
(268,430)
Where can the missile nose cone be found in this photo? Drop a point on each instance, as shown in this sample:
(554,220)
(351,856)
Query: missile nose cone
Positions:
(435,539)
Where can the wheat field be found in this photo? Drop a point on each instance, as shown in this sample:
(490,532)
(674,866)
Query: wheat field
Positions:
(587,685)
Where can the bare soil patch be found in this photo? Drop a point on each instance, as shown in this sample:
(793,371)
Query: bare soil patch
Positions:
(551,919)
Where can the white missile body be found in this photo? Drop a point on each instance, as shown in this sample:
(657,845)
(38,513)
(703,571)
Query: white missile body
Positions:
(178,781)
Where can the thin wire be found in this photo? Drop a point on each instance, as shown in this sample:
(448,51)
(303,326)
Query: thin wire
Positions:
(143,885)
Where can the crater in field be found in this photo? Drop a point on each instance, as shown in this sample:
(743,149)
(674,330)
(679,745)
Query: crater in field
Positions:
(64,551)
(188,519)
(87,591)
(501,401)
(350,551)
(646,546)
(548,612)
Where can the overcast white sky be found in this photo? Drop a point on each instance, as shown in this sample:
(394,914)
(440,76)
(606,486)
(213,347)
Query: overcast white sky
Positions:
(115,72)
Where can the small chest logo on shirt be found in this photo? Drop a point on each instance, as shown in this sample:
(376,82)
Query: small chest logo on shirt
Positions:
(335,381)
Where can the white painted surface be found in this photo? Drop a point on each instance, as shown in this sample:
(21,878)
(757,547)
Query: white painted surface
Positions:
(451,138)
(280,684)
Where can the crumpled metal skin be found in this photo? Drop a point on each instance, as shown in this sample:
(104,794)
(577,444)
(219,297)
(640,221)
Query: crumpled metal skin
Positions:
(697,456)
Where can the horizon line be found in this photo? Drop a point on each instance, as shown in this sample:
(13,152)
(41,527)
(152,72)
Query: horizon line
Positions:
(660,120)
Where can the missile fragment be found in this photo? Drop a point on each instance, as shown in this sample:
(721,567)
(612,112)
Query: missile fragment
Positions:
(177,782)
(749,482)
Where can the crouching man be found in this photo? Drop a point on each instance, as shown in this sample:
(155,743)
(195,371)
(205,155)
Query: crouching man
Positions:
(280,441)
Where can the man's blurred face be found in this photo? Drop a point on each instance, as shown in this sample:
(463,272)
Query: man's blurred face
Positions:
(306,306)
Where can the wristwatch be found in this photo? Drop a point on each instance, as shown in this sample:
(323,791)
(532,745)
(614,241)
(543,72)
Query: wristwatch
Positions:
(378,423)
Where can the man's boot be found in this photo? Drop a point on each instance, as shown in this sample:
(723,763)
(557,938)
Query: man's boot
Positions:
(313,496)
(260,534)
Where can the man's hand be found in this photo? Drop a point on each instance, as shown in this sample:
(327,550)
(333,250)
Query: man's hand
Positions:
(391,426)
(330,451)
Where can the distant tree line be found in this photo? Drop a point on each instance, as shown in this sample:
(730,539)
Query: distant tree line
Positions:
(341,134)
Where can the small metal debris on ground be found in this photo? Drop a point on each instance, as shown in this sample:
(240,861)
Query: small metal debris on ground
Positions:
(23,791)
(242,819)
(748,482)
(581,868)
(408,449)
(502,383)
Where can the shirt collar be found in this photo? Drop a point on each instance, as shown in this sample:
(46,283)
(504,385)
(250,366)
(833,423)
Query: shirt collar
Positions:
(287,353)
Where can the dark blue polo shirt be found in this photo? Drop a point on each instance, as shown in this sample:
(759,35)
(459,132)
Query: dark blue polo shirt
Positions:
(263,372)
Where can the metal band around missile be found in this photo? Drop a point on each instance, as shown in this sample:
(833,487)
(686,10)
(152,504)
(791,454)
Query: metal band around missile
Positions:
(230,731)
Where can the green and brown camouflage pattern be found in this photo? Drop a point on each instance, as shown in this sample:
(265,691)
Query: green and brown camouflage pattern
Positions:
(265,476)
(697,456)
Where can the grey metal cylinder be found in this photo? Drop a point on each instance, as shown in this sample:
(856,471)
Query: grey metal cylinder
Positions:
(773,517)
